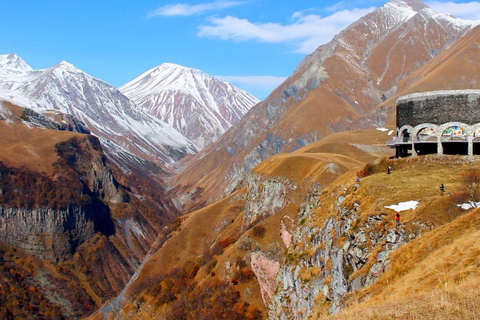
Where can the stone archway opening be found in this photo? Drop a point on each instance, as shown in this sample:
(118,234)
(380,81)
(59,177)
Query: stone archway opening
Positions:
(405,136)
(404,147)
(426,141)
(476,141)
(455,141)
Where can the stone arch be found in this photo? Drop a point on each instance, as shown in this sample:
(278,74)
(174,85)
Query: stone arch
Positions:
(432,135)
(475,139)
(405,133)
(476,131)
(456,138)
(456,128)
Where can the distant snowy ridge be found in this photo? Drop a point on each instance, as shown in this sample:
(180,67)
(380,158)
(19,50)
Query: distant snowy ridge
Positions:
(198,105)
(13,64)
(103,108)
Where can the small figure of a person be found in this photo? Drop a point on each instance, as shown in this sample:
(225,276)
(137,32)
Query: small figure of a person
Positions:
(358,179)
(397,219)
(442,189)
(389,169)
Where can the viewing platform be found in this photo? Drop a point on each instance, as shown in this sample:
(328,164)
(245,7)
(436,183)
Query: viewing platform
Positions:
(441,122)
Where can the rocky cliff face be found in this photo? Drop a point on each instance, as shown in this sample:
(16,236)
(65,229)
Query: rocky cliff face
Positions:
(57,215)
(334,253)
(78,218)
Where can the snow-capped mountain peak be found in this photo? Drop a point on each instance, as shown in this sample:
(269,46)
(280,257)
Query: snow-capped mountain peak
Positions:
(107,113)
(13,64)
(195,103)
(415,5)
(64,65)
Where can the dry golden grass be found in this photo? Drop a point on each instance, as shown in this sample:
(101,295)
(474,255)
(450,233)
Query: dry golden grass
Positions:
(437,275)
(33,148)
(202,229)
(456,302)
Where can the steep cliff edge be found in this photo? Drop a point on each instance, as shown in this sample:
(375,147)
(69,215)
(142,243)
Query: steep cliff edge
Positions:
(60,201)
(347,248)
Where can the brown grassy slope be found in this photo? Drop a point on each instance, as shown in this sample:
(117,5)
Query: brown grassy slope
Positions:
(440,280)
(456,68)
(204,229)
(437,264)
(349,144)
(30,147)
(303,164)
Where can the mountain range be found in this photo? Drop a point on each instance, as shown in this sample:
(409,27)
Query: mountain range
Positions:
(271,220)
(199,106)
(125,129)
(132,133)
(338,87)
(299,236)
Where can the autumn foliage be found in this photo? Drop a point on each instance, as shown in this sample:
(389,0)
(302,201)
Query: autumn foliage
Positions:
(471,183)
(181,297)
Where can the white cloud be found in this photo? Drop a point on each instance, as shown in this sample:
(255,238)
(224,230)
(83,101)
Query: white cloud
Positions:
(468,11)
(181,9)
(259,86)
(305,32)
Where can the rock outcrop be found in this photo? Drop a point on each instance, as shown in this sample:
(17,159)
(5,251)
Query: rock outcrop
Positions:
(333,255)
(77,218)
(58,214)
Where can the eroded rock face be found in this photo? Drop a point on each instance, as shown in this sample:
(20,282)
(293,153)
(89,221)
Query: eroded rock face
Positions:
(266,271)
(265,197)
(51,216)
(46,232)
(322,259)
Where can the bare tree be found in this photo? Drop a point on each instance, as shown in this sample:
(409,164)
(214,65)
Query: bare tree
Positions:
(471,183)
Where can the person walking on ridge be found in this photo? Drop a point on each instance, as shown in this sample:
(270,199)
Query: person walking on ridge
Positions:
(397,219)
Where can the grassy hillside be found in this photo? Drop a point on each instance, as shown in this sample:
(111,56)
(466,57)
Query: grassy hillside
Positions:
(435,275)
(221,243)
(28,146)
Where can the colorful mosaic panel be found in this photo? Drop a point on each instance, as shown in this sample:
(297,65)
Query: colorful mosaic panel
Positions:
(454,131)
(427,132)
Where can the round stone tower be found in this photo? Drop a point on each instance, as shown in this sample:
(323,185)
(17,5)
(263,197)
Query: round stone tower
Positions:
(443,122)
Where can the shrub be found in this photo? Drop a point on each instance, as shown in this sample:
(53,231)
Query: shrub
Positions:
(471,183)
(259,231)
(376,167)
(244,274)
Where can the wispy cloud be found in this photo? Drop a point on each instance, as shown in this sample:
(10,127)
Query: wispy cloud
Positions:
(181,9)
(305,32)
(468,11)
(260,86)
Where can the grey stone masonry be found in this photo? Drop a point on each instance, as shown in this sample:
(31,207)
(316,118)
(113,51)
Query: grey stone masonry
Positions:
(439,107)
(438,122)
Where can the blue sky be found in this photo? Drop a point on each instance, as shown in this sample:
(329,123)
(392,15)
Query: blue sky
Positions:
(254,44)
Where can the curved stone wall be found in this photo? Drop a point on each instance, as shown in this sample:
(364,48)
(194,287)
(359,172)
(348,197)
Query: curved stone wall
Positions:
(439,107)
(430,122)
